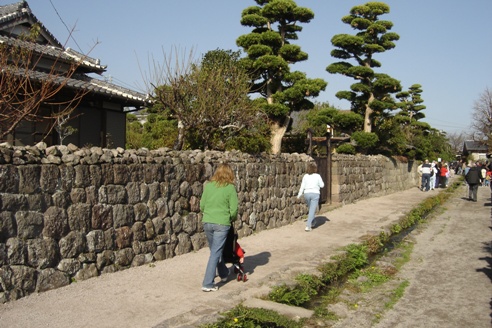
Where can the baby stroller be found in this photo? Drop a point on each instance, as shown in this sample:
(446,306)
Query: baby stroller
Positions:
(233,253)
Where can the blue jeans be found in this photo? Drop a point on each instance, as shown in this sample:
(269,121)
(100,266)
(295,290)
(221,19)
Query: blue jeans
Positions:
(216,237)
(312,201)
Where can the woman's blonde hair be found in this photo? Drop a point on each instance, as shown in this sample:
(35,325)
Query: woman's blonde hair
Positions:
(223,175)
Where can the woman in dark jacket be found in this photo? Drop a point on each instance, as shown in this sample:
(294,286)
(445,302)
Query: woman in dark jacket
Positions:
(474,179)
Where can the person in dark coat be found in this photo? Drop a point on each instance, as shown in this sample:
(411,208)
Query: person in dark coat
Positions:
(474,178)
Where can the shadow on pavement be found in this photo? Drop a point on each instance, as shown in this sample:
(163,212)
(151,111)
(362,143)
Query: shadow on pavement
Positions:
(251,262)
(319,221)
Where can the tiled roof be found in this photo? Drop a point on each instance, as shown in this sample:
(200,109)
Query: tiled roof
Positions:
(90,64)
(472,145)
(94,86)
(13,14)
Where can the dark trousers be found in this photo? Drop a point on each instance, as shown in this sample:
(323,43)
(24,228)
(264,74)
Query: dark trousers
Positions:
(472,191)
(425,181)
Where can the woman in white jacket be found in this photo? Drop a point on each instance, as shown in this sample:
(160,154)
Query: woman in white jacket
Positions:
(310,188)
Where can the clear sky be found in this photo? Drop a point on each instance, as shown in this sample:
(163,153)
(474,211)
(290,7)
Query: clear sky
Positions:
(445,45)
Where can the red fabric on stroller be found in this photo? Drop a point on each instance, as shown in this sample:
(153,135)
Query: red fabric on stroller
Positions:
(233,252)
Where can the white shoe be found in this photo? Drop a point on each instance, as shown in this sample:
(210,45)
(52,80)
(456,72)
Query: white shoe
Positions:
(307,229)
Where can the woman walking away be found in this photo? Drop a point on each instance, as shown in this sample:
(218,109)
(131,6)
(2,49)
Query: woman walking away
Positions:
(219,205)
(310,188)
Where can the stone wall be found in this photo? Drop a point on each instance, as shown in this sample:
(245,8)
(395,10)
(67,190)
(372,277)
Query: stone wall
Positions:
(357,177)
(70,214)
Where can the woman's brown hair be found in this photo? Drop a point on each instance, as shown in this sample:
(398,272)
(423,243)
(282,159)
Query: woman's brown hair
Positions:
(223,175)
(312,168)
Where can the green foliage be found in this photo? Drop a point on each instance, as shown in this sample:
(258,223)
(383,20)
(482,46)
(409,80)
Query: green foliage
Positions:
(244,317)
(158,131)
(295,143)
(323,114)
(365,140)
(374,276)
(307,286)
(291,296)
(252,141)
(397,294)
(346,148)
(357,255)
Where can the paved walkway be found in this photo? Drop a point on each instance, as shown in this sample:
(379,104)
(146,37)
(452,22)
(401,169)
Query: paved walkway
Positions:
(167,293)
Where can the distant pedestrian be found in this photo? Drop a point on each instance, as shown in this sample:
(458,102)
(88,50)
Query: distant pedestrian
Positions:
(438,175)
(432,180)
(419,171)
(311,188)
(483,172)
(488,176)
(219,205)
(426,172)
(474,178)
(443,176)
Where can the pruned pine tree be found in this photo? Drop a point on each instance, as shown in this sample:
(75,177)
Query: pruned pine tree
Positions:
(411,112)
(371,95)
(411,104)
(269,56)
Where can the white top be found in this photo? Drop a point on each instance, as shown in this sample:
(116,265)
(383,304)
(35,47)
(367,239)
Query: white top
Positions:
(311,184)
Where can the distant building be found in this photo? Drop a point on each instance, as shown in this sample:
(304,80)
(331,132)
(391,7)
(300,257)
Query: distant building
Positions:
(100,117)
(476,150)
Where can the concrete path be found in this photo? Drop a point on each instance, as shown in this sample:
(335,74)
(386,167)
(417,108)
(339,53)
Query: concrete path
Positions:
(168,294)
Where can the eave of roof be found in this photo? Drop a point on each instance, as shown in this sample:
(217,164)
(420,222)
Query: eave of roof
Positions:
(67,55)
(83,83)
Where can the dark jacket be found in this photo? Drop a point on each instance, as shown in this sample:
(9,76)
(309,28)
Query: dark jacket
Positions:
(474,176)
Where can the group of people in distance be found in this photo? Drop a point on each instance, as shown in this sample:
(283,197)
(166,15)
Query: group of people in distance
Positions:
(433,175)
(436,174)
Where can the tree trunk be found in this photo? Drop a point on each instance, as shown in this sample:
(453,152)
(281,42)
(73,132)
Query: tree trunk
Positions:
(178,144)
(278,132)
(367,115)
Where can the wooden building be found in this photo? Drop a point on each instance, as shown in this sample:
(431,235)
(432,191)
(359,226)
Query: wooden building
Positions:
(99,112)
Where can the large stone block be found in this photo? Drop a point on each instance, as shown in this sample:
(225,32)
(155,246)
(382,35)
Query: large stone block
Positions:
(102,217)
(8,226)
(95,241)
(51,279)
(123,257)
(79,217)
(82,176)
(123,215)
(42,253)
(14,202)
(29,224)
(16,251)
(55,223)
(73,244)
